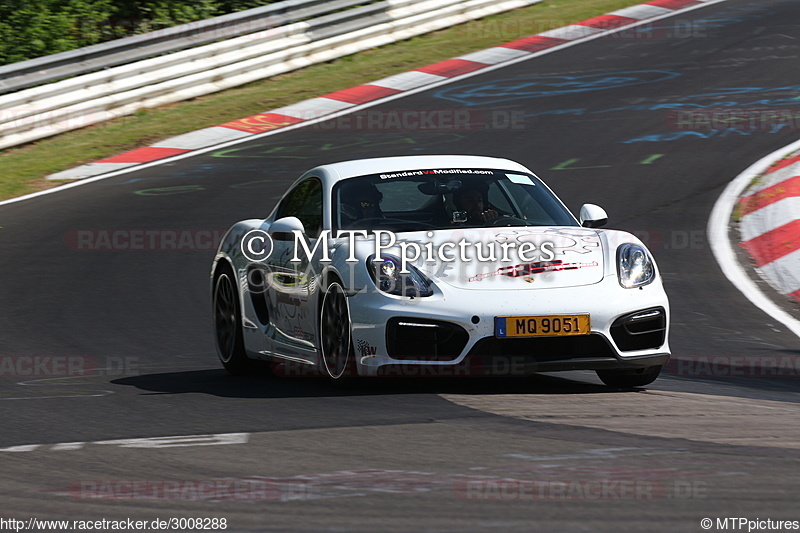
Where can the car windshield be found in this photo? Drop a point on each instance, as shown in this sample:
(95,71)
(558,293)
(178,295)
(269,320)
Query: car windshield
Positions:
(417,200)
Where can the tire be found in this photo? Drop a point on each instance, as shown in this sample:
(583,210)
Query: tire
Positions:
(227,317)
(628,379)
(338,356)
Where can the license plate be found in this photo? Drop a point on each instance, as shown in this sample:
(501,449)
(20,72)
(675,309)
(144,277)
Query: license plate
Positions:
(542,326)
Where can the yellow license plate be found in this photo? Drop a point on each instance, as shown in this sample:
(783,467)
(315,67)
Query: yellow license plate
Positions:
(542,326)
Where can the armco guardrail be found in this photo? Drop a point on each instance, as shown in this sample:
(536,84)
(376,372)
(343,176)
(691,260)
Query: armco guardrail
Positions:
(24,74)
(46,110)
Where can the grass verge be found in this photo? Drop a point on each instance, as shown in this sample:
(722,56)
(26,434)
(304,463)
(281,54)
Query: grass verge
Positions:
(24,168)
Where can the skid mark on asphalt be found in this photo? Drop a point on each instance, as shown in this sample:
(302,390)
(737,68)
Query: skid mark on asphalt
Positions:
(504,90)
(59,387)
(80,381)
(596,473)
(704,418)
(489,465)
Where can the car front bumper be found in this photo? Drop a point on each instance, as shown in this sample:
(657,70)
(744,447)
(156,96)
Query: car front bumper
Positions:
(469,315)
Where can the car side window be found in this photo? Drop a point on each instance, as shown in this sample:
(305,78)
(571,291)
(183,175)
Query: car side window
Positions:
(305,203)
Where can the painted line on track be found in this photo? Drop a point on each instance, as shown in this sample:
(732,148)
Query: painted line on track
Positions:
(177,441)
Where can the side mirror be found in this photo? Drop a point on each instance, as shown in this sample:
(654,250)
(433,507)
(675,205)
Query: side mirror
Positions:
(283,229)
(593,216)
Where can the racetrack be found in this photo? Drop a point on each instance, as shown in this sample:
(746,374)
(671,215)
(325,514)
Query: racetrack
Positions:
(598,123)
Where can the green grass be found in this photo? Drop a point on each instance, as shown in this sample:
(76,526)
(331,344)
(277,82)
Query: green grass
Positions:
(24,168)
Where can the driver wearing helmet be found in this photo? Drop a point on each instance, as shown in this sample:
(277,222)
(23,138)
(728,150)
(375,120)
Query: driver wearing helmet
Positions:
(470,200)
(360,203)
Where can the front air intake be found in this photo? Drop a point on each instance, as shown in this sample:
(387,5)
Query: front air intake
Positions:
(424,339)
(642,330)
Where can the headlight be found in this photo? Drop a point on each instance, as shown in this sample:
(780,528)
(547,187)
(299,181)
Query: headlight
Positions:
(634,266)
(385,272)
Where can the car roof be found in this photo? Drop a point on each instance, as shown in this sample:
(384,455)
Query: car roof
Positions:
(361,167)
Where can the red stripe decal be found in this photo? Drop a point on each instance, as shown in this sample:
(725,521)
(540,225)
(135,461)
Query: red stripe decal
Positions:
(783,164)
(774,244)
(361,94)
(770,195)
(534,44)
(452,67)
(608,22)
(673,4)
(795,295)
(144,155)
(262,122)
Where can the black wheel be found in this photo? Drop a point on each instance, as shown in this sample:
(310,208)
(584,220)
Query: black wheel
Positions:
(228,323)
(626,379)
(334,333)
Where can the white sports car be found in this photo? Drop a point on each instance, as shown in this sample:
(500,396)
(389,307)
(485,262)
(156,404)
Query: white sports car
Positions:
(436,265)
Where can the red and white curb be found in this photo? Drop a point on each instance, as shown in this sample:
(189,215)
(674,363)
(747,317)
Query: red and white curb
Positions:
(770,225)
(341,101)
(764,192)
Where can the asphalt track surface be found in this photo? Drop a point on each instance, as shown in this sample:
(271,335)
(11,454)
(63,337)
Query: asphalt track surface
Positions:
(418,454)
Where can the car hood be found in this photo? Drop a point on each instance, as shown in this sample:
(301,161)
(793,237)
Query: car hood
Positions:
(554,257)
